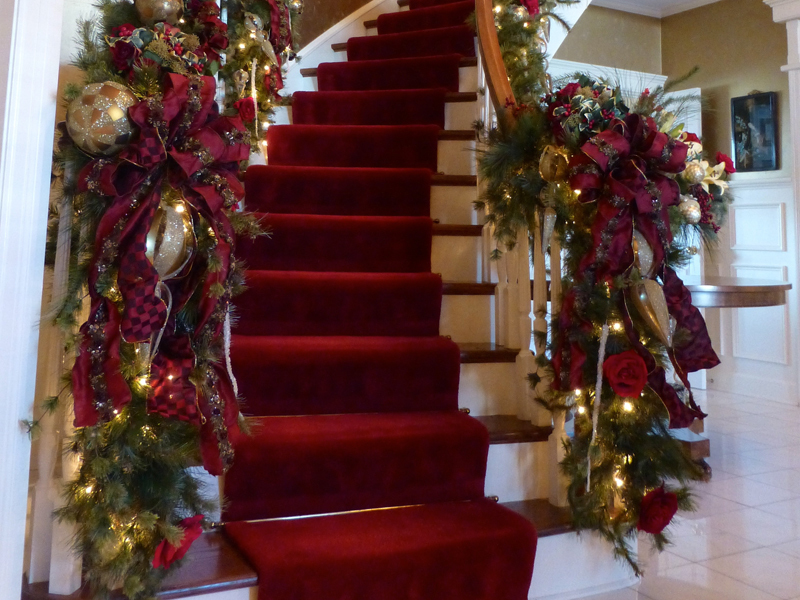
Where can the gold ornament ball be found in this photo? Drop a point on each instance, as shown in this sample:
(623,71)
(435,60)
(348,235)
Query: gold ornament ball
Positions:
(694,173)
(155,11)
(690,209)
(97,120)
(553,164)
(170,241)
(296,5)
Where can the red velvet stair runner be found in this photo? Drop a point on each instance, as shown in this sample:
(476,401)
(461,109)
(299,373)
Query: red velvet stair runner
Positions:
(351,394)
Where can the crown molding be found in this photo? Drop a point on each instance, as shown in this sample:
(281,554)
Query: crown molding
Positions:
(784,10)
(634,6)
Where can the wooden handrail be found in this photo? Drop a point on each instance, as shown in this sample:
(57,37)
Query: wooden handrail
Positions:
(495,70)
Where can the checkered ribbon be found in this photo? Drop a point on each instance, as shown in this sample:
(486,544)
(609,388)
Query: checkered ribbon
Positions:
(145,313)
(174,396)
(151,151)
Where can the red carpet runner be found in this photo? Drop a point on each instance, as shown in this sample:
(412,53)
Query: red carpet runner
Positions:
(349,389)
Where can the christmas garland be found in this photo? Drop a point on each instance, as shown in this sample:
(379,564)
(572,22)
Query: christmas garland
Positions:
(632,198)
(148,169)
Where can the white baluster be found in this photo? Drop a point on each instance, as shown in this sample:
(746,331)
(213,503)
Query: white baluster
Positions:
(540,415)
(512,259)
(501,299)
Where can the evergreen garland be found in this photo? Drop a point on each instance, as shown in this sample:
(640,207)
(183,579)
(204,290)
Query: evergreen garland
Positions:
(631,473)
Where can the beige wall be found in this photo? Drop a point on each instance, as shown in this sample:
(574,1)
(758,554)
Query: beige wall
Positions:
(738,49)
(321,15)
(612,38)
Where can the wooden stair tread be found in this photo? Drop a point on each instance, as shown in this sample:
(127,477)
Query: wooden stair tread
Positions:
(457,230)
(487,353)
(548,519)
(454,180)
(699,446)
(508,429)
(467,288)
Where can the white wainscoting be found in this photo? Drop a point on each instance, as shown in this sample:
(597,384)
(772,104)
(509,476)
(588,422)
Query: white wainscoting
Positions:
(756,345)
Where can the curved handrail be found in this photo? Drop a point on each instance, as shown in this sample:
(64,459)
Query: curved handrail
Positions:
(495,70)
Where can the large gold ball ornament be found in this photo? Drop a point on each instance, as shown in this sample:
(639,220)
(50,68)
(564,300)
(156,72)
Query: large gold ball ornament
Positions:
(694,173)
(170,241)
(155,11)
(97,120)
(690,209)
(553,164)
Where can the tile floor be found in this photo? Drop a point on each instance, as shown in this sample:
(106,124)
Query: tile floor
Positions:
(744,541)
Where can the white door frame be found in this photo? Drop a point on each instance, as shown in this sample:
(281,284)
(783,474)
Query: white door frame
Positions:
(30,38)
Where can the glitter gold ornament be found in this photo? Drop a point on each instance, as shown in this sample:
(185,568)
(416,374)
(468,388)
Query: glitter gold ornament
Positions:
(642,254)
(97,120)
(553,164)
(170,241)
(648,299)
(155,11)
(694,173)
(690,209)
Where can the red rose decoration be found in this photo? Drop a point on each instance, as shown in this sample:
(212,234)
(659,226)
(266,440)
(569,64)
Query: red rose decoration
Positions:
(690,137)
(724,158)
(166,553)
(122,30)
(246,108)
(532,6)
(656,511)
(626,373)
(122,55)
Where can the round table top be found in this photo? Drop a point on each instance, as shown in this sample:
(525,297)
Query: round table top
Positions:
(732,292)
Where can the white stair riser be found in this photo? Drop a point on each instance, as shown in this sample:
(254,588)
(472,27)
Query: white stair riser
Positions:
(457,115)
(467,319)
(457,258)
(456,157)
(488,388)
(517,471)
(452,205)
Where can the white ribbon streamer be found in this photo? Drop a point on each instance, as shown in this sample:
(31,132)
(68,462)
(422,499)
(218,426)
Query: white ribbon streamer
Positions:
(228,352)
(598,392)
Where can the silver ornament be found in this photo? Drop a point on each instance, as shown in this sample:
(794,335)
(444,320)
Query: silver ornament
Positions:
(253,22)
(694,173)
(240,79)
(296,5)
(170,242)
(97,120)
(690,209)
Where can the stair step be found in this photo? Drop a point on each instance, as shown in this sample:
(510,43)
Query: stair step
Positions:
(456,229)
(549,519)
(454,180)
(464,61)
(305,465)
(434,17)
(284,375)
(467,288)
(508,429)
(487,353)
(390,554)
(698,446)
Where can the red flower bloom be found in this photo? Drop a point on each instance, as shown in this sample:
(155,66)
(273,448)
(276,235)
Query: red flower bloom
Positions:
(729,168)
(166,553)
(122,30)
(122,55)
(626,373)
(570,89)
(532,6)
(690,137)
(246,108)
(656,511)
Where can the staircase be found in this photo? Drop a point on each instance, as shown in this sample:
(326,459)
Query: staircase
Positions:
(351,392)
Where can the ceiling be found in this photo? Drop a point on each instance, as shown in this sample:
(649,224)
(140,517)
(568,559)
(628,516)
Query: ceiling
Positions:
(653,8)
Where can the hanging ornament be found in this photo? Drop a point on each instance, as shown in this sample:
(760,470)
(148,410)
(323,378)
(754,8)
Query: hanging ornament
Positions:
(97,120)
(255,25)
(155,11)
(240,79)
(170,241)
(253,22)
(694,173)
(642,255)
(296,6)
(553,164)
(544,23)
(548,227)
(648,299)
(690,209)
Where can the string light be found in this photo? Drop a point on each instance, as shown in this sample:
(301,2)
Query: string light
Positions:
(627,406)
(242,46)
(143,380)
(618,481)
(179,208)
(497,9)
(581,410)
(616,326)
(88,489)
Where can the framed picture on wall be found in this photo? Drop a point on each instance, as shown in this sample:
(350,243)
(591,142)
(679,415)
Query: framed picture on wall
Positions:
(755,132)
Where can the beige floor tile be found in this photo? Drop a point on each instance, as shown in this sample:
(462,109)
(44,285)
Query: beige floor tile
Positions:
(741,465)
(781,457)
(707,544)
(708,505)
(756,525)
(765,569)
(791,548)
(771,438)
(746,491)
(697,582)
(788,479)
(734,444)
(788,509)
(624,594)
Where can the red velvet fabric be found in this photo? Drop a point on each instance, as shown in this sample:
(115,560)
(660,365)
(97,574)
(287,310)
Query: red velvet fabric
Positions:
(315,464)
(443,15)
(343,244)
(304,303)
(406,146)
(429,42)
(342,191)
(392,74)
(447,551)
(325,375)
(417,4)
(380,107)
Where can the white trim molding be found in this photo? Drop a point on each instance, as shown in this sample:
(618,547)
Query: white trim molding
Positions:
(29,62)
(635,6)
